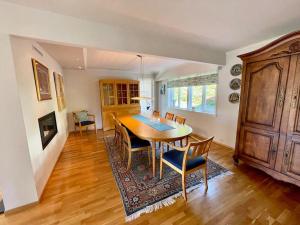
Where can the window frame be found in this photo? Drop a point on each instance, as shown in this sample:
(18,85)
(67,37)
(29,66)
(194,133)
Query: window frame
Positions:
(189,100)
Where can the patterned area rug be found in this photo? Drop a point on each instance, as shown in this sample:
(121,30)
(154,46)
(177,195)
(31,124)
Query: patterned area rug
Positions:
(141,193)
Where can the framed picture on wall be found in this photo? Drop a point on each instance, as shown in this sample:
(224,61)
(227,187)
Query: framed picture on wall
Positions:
(42,80)
(60,91)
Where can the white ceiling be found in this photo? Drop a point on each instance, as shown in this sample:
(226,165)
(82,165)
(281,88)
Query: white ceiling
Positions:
(70,57)
(225,25)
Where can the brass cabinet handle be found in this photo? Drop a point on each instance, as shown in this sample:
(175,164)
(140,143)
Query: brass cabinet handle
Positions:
(295,97)
(281,97)
(286,157)
(273,152)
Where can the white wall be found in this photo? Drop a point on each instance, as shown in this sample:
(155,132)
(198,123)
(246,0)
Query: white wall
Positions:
(82,90)
(82,93)
(17,183)
(42,161)
(223,126)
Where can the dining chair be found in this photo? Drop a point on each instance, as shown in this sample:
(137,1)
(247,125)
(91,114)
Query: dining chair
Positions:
(156,113)
(83,119)
(181,120)
(186,160)
(169,116)
(133,144)
(117,136)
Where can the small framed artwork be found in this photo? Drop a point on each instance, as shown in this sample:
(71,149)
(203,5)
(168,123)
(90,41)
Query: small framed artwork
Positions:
(234,97)
(60,91)
(235,84)
(236,70)
(42,80)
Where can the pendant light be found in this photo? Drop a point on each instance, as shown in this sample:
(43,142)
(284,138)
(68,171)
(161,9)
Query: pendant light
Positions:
(142,96)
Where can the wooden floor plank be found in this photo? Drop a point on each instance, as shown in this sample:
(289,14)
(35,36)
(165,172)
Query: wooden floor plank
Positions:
(82,190)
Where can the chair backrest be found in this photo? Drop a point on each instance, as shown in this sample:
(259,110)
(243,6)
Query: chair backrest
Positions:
(75,115)
(198,148)
(169,116)
(180,119)
(114,118)
(156,113)
(125,135)
(113,115)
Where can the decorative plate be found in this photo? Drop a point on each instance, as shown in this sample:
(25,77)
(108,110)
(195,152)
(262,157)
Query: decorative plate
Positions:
(235,84)
(234,97)
(236,70)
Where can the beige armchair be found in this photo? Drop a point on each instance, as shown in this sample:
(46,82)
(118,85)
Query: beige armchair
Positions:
(83,119)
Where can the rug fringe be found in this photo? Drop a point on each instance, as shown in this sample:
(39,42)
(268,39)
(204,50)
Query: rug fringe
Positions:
(170,200)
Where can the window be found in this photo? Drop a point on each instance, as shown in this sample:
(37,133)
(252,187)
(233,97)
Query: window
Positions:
(193,96)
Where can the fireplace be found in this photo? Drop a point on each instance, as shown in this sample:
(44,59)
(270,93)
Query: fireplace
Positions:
(48,128)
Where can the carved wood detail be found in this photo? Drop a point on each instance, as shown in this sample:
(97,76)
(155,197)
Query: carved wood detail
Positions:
(295,47)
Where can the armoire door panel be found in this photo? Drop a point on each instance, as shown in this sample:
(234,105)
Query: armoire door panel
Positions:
(291,160)
(259,146)
(264,91)
(291,155)
(294,118)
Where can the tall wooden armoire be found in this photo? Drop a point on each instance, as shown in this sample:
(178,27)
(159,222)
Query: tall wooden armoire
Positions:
(268,134)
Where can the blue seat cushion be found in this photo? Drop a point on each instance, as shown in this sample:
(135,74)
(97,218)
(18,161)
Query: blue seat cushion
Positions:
(176,158)
(85,123)
(139,143)
(129,132)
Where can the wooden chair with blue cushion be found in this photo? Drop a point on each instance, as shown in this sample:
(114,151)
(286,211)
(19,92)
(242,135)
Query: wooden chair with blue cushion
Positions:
(133,144)
(169,116)
(117,136)
(180,120)
(186,160)
(83,119)
(156,113)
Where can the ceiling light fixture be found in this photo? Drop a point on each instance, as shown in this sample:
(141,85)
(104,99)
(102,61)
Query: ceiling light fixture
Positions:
(142,96)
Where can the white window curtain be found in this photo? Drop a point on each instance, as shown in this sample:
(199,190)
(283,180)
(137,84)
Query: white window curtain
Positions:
(194,81)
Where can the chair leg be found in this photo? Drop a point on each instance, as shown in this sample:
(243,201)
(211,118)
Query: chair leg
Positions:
(149,152)
(204,171)
(129,160)
(161,169)
(161,162)
(181,144)
(183,187)
(95,128)
(80,131)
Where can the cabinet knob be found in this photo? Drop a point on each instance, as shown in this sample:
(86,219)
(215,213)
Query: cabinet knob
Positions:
(295,97)
(281,97)
(273,152)
(286,158)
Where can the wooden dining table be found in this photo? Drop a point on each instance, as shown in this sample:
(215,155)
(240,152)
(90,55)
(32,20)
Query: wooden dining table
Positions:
(146,132)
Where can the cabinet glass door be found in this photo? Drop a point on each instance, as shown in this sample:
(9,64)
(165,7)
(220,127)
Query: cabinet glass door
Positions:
(108,94)
(122,96)
(133,92)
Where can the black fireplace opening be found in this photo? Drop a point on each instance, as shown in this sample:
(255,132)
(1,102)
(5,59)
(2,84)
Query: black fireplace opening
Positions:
(48,128)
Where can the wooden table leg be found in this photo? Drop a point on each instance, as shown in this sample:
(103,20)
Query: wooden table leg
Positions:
(153,157)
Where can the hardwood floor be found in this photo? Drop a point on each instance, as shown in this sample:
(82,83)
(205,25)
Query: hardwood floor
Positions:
(82,190)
